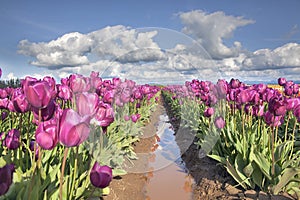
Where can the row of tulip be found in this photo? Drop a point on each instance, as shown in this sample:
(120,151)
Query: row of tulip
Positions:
(252,130)
(67,140)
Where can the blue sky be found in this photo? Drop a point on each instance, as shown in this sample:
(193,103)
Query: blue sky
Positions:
(250,40)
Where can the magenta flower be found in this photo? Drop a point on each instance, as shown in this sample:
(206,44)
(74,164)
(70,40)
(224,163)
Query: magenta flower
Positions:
(19,101)
(87,103)
(135,117)
(38,93)
(96,81)
(101,176)
(108,96)
(12,139)
(46,135)
(234,83)
(296,112)
(209,112)
(277,106)
(79,83)
(64,92)
(46,113)
(219,122)
(104,114)
(6,177)
(281,81)
(273,120)
(73,129)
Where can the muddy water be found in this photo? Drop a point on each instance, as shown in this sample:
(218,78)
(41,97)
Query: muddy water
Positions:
(167,175)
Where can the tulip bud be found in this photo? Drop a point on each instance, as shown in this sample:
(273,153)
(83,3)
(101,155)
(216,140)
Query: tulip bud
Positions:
(6,177)
(73,129)
(64,92)
(219,122)
(281,81)
(79,83)
(12,139)
(46,135)
(135,117)
(100,176)
(209,112)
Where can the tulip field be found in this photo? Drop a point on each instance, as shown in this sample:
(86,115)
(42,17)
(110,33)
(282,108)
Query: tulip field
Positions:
(67,140)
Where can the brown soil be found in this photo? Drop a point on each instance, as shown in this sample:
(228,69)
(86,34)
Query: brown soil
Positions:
(211,180)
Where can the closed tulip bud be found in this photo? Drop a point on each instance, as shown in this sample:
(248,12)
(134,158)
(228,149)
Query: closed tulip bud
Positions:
(104,114)
(209,112)
(101,176)
(12,139)
(234,83)
(219,122)
(6,177)
(38,93)
(73,129)
(86,103)
(46,135)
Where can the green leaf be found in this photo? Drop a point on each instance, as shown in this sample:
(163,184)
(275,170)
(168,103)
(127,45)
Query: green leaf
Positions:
(263,163)
(119,172)
(286,177)
(231,170)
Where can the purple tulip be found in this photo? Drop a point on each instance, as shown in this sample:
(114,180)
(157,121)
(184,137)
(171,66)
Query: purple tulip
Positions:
(108,97)
(52,84)
(295,89)
(281,81)
(46,113)
(3,93)
(277,106)
(4,103)
(12,139)
(101,176)
(273,120)
(6,177)
(33,145)
(38,93)
(86,103)
(209,112)
(0,72)
(96,81)
(296,112)
(19,101)
(243,96)
(46,135)
(104,114)
(79,83)
(234,83)
(135,117)
(4,115)
(73,129)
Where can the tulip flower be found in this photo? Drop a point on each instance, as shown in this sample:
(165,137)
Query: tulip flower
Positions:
(19,101)
(135,117)
(73,129)
(101,176)
(79,83)
(96,81)
(64,92)
(277,106)
(234,83)
(273,120)
(86,103)
(46,113)
(108,96)
(296,112)
(209,112)
(281,81)
(38,93)
(219,122)
(12,139)
(6,177)
(46,135)
(104,114)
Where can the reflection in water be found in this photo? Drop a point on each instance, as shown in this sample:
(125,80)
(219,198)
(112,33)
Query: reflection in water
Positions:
(167,176)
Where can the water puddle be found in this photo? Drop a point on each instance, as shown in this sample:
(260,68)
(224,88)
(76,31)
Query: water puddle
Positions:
(168,177)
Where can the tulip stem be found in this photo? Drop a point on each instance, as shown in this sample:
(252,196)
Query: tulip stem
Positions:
(62,173)
(74,173)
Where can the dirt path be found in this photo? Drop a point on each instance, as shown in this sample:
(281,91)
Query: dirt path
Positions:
(211,181)
(132,185)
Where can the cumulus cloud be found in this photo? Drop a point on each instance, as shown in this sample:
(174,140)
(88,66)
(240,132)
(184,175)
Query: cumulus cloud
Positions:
(211,29)
(281,57)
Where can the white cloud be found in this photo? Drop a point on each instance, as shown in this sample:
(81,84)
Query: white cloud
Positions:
(211,29)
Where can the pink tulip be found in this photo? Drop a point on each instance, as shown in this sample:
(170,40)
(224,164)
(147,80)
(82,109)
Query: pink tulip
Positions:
(209,112)
(104,114)
(38,93)
(46,135)
(73,129)
(79,83)
(19,101)
(86,103)
(219,122)
(64,92)
(135,117)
